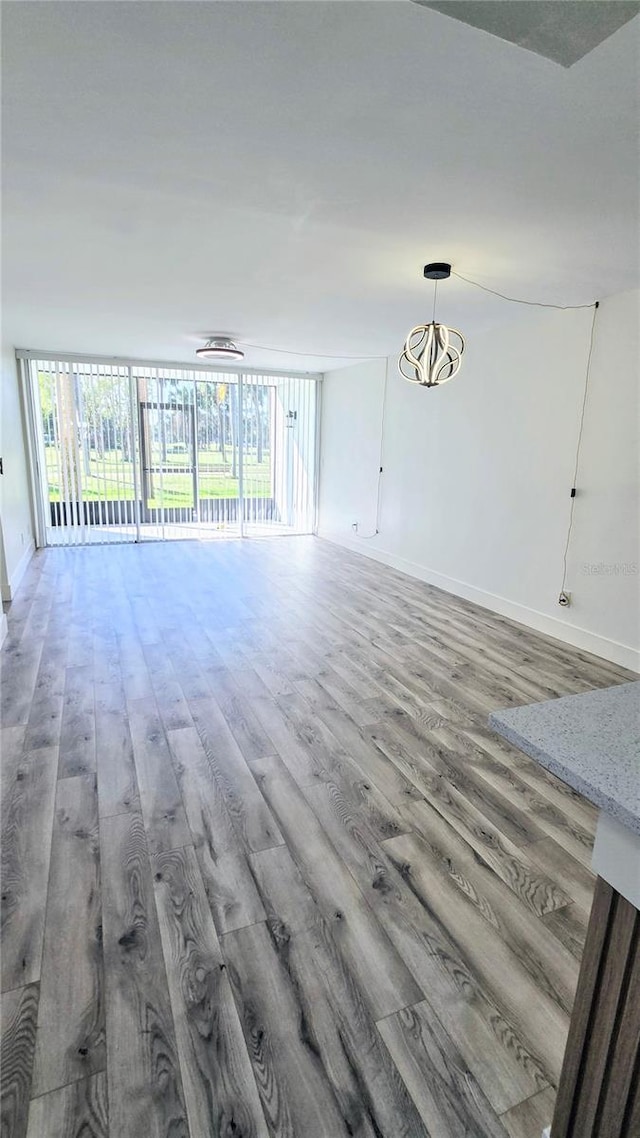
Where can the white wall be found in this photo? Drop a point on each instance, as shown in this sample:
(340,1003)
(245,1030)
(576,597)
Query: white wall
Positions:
(477,473)
(350,448)
(16,525)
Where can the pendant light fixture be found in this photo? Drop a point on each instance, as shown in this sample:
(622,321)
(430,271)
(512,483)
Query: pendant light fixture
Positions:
(220,348)
(432,352)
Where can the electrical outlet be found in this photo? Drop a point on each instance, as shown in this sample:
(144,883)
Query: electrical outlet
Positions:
(354,527)
(564,599)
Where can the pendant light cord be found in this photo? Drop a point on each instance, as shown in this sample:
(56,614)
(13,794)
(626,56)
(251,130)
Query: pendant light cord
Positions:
(578,446)
(517,300)
(435,294)
(317,355)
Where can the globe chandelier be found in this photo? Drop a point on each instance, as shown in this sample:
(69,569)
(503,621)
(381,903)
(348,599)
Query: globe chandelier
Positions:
(432,353)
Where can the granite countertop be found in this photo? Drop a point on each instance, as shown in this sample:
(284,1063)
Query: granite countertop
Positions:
(591,741)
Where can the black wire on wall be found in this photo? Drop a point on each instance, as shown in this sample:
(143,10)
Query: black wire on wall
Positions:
(563,598)
(578,446)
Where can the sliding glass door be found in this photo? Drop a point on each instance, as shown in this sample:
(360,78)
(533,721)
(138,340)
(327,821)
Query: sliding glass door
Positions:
(189,437)
(132,452)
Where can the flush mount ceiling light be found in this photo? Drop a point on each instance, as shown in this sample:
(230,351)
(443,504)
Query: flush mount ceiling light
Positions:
(220,348)
(432,352)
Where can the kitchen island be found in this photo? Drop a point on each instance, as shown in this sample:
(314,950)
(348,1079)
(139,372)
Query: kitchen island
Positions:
(592,742)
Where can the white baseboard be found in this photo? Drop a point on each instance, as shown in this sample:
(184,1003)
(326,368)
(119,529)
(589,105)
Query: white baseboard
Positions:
(10,588)
(622,654)
(4,628)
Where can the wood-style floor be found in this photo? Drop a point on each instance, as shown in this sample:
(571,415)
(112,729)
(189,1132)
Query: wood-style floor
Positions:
(265,870)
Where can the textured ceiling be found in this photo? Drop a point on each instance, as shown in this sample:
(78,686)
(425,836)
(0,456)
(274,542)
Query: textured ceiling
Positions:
(562,30)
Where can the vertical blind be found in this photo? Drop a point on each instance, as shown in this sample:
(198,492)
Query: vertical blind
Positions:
(127,451)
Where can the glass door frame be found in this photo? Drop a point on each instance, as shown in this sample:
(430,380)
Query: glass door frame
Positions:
(144,456)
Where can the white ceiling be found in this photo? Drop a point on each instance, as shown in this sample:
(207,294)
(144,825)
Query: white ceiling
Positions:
(281,171)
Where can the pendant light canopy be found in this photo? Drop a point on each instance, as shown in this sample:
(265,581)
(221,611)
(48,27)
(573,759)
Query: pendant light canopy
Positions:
(220,348)
(432,352)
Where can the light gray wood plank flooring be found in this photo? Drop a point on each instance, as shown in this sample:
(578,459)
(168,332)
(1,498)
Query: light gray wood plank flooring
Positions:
(266,872)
